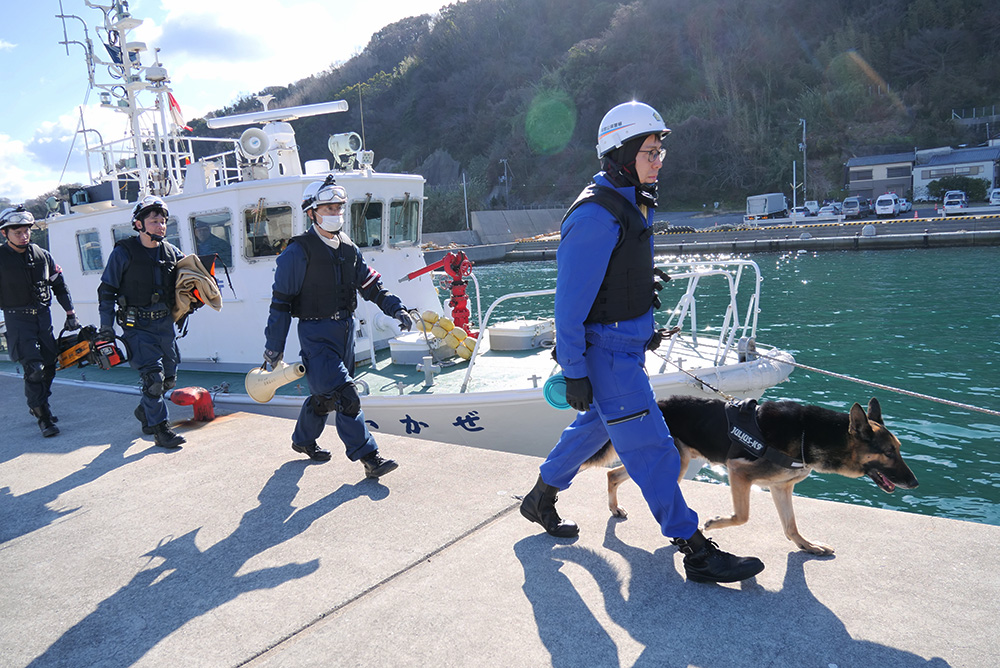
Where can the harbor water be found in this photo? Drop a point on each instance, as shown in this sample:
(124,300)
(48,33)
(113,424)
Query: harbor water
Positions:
(926,321)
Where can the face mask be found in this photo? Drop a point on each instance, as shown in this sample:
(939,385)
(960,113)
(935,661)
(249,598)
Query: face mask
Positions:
(332,223)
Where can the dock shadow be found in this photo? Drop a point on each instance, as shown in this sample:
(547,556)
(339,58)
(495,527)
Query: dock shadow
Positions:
(679,623)
(188,582)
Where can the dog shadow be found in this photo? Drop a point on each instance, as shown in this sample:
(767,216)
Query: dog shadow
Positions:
(678,623)
(186,582)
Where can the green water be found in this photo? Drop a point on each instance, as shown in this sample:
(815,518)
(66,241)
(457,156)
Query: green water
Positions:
(927,321)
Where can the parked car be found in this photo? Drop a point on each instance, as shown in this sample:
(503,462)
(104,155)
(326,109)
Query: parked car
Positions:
(829,210)
(799,212)
(887,206)
(856,207)
(955,202)
(904,205)
(993,197)
(812,205)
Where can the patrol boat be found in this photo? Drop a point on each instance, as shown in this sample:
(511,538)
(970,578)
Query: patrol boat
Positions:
(460,378)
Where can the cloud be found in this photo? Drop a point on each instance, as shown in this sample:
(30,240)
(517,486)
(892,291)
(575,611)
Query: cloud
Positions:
(7,46)
(202,37)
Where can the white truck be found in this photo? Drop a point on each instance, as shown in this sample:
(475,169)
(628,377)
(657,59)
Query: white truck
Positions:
(763,207)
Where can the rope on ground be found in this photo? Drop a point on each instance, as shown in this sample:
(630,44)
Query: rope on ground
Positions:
(888,388)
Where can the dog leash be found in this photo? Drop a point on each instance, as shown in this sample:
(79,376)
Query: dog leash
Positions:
(888,388)
(669,334)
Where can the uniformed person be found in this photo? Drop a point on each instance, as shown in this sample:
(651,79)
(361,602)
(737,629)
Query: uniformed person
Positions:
(28,279)
(317,279)
(137,291)
(605,295)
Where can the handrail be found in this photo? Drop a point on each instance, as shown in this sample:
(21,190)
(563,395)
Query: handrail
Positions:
(686,308)
(482,326)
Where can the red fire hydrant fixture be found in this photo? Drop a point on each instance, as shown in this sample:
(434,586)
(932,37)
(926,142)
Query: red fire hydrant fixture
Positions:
(199,398)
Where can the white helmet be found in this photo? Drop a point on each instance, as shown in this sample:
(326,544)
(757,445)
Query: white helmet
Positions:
(628,120)
(147,204)
(15,217)
(323,192)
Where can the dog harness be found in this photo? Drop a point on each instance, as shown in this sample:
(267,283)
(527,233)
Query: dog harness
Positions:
(745,434)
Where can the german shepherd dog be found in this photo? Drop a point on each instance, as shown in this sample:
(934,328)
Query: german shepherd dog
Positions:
(852,444)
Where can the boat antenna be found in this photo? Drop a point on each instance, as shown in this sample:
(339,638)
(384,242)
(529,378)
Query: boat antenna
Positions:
(361,106)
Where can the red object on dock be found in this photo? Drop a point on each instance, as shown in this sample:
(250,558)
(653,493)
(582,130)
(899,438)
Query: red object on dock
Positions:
(199,398)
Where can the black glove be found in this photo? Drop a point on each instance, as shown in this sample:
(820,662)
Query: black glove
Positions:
(272,358)
(579,393)
(405,321)
(72,323)
(106,334)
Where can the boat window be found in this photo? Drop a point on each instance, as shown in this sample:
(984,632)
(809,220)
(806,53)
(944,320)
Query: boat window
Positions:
(366,223)
(268,229)
(212,234)
(404,215)
(119,232)
(89,243)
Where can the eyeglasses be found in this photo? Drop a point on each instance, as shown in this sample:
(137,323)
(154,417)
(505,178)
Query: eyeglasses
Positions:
(655,153)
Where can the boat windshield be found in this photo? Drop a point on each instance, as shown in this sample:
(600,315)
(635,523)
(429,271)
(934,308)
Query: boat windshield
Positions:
(268,229)
(404,215)
(366,223)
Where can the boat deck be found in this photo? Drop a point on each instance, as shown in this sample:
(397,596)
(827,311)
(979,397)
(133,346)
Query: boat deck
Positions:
(233,551)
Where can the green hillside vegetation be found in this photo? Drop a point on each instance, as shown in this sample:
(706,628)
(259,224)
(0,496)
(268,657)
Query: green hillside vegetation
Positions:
(529,80)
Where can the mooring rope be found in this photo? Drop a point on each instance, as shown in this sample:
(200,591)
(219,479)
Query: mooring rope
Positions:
(888,388)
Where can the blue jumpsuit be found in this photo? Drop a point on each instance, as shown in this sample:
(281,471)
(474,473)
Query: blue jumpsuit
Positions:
(327,345)
(612,356)
(29,325)
(151,340)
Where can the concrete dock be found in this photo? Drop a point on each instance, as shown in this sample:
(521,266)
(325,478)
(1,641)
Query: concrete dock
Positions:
(235,551)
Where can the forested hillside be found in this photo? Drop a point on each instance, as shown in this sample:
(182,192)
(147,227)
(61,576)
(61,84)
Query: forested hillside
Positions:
(527,81)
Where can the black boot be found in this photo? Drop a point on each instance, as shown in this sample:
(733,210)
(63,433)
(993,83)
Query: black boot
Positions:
(315,453)
(45,421)
(165,437)
(140,415)
(539,505)
(705,562)
(376,466)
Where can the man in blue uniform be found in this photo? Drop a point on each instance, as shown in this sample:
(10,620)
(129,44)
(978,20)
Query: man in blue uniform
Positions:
(137,290)
(317,279)
(28,278)
(605,294)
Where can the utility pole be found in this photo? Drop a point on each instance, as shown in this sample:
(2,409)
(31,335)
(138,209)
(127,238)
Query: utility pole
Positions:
(506,181)
(802,147)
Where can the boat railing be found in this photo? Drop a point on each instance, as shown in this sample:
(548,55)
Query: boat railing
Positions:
(165,160)
(685,313)
(484,323)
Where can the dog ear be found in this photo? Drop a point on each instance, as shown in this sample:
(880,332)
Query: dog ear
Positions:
(859,422)
(875,411)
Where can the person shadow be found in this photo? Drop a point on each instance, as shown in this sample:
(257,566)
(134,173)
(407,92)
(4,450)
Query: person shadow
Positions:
(33,510)
(187,582)
(678,623)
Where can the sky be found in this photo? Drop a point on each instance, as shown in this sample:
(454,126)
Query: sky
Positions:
(215,51)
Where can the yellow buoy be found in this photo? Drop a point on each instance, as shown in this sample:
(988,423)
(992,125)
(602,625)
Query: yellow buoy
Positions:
(463,352)
(469,343)
(445,323)
(460,333)
(451,340)
(430,316)
(439,331)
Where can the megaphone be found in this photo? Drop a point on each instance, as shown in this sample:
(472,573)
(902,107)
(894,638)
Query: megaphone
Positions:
(261,385)
(254,143)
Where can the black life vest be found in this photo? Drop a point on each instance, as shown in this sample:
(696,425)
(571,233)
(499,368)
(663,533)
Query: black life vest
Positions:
(330,284)
(24,278)
(627,289)
(147,282)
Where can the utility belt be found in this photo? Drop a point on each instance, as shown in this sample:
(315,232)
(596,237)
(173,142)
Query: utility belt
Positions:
(27,310)
(129,316)
(343,314)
